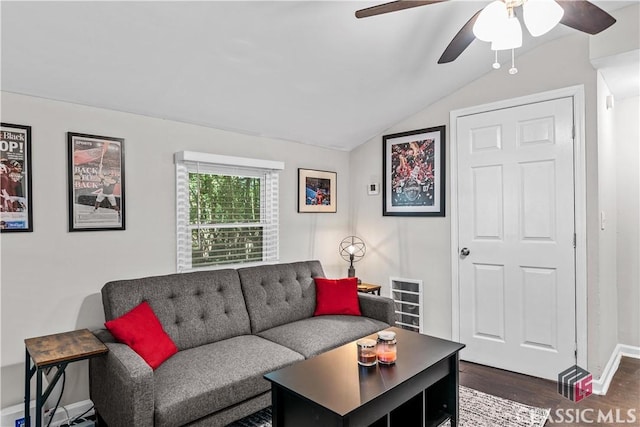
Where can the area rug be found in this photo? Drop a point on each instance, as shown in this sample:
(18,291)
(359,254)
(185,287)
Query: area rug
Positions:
(477,409)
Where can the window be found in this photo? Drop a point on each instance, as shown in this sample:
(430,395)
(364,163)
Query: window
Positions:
(227,210)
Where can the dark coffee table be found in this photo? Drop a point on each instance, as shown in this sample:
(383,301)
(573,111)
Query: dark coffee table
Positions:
(331,389)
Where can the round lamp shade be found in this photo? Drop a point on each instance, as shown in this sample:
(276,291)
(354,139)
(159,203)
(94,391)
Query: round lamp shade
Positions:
(352,245)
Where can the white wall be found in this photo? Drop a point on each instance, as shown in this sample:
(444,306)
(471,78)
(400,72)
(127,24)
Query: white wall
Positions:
(627,143)
(615,51)
(420,247)
(51,279)
(605,291)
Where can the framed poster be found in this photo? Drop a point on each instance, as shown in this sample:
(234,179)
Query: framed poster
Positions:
(16,208)
(413,173)
(96,182)
(317,191)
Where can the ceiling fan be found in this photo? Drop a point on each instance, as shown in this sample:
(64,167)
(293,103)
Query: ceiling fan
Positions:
(581,15)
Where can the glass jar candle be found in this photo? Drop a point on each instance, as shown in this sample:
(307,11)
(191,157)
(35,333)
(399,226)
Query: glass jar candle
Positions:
(366,352)
(386,348)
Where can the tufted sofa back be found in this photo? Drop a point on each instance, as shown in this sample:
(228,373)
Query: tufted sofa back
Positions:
(280,293)
(194,308)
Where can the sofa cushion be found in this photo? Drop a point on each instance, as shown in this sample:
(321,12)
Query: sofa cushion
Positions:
(315,335)
(194,308)
(200,381)
(337,296)
(279,294)
(141,330)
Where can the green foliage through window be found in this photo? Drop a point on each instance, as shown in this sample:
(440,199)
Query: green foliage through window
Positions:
(225,219)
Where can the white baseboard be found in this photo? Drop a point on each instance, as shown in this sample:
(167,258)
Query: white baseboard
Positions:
(9,416)
(601,386)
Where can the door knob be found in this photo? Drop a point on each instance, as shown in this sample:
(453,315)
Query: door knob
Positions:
(464,252)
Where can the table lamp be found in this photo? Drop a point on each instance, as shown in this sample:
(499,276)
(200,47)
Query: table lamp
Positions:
(352,249)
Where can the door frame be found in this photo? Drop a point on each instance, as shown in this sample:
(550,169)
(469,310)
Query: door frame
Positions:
(580,204)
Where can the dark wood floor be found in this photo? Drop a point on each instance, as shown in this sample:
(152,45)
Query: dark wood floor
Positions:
(620,405)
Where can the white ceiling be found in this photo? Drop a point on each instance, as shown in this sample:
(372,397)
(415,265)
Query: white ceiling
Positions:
(305,71)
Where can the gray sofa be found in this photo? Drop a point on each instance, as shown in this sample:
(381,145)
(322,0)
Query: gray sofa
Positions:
(231,327)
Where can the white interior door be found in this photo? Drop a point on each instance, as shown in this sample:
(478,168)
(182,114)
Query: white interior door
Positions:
(516,227)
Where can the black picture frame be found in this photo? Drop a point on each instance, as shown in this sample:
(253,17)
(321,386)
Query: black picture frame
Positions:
(16,196)
(413,173)
(96,182)
(317,191)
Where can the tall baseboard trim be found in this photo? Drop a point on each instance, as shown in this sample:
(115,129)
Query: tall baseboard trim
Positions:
(601,386)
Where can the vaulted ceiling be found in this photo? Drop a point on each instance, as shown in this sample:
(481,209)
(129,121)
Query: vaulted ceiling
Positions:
(305,71)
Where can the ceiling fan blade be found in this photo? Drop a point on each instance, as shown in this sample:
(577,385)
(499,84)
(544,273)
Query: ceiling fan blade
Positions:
(393,6)
(585,16)
(460,42)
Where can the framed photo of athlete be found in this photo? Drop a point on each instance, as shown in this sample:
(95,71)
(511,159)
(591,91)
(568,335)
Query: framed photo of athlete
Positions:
(96,182)
(317,191)
(16,209)
(413,175)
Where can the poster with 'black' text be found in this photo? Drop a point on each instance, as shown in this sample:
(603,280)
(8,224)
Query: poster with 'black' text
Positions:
(15,178)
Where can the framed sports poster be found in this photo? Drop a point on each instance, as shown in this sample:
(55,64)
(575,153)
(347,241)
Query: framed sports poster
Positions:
(16,209)
(414,173)
(317,191)
(96,182)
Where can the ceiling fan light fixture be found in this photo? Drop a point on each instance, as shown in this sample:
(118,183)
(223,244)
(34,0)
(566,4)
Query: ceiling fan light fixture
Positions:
(490,19)
(497,23)
(541,16)
(508,36)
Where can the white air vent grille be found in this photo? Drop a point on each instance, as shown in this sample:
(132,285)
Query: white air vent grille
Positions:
(407,298)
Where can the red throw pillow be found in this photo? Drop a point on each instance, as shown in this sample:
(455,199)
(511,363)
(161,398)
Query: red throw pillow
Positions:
(141,330)
(337,296)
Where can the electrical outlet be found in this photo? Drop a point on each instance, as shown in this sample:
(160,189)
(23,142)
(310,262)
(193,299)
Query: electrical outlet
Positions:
(13,416)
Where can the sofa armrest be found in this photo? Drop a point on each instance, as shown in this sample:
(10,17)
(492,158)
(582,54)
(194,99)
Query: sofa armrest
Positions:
(376,307)
(121,385)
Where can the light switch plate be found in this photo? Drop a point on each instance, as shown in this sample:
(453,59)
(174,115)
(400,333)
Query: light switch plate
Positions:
(373,189)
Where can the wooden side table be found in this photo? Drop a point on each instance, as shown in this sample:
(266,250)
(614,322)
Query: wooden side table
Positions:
(368,288)
(57,350)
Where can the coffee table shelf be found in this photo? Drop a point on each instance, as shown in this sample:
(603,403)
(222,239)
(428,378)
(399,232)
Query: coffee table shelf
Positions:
(409,414)
(331,389)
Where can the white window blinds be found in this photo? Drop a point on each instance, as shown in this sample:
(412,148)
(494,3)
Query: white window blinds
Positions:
(227,210)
